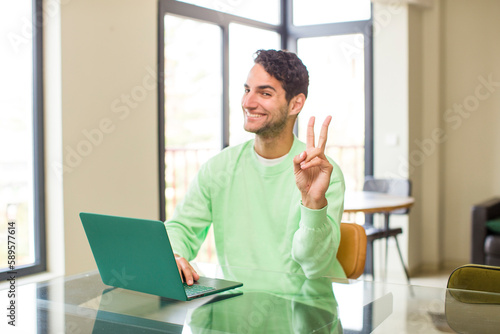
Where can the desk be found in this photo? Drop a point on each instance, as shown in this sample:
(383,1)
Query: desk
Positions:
(269,302)
(373,202)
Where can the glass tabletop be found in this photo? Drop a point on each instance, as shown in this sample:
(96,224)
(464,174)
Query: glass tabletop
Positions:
(268,302)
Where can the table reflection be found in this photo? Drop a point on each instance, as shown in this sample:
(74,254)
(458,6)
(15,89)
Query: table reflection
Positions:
(268,302)
(271,303)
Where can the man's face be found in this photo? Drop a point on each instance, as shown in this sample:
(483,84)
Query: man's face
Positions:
(264,104)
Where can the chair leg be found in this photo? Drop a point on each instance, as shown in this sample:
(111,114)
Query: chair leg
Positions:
(402,261)
(386,262)
(386,228)
(369,260)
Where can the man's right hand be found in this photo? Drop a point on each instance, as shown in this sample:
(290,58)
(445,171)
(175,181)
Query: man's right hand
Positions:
(187,272)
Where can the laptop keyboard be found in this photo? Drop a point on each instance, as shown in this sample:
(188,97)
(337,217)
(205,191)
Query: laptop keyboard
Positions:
(196,289)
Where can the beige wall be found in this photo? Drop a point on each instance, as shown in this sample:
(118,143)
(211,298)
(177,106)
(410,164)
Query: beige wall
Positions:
(471,159)
(445,53)
(101,120)
(391,105)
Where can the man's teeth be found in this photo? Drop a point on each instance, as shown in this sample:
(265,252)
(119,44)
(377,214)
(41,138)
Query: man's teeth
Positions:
(254,115)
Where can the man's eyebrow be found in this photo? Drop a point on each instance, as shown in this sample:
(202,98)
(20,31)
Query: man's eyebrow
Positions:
(266,87)
(262,87)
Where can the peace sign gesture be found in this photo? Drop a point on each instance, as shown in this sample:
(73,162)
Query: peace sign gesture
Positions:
(312,169)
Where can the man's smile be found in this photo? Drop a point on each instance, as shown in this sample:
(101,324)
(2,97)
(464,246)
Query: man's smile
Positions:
(253,115)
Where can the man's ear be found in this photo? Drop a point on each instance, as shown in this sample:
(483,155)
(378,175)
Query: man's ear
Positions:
(296,104)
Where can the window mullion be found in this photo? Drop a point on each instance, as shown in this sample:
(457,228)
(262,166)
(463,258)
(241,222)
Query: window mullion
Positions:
(38,139)
(368,102)
(225,86)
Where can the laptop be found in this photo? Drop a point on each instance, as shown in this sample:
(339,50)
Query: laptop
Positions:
(136,254)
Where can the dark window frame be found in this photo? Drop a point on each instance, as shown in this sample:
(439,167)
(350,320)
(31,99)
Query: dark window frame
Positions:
(40,252)
(289,37)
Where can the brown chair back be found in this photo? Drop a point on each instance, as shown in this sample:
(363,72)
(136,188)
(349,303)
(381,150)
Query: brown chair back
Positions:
(352,249)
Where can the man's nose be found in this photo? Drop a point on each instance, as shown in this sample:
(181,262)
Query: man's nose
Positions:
(248,100)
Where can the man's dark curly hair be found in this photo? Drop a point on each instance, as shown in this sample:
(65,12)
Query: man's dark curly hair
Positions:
(287,68)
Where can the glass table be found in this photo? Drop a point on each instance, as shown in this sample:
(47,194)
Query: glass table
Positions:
(268,302)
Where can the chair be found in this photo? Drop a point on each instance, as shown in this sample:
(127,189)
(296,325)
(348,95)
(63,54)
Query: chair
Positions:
(475,277)
(485,224)
(473,299)
(352,249)
(400,187)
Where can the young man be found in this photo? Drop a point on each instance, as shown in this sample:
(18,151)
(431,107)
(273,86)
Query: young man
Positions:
(261,217)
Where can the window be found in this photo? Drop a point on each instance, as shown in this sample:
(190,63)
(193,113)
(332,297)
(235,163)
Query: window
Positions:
(337,88)
(21,139)
(205,53)
(311,12)
(193,100)
(261,10)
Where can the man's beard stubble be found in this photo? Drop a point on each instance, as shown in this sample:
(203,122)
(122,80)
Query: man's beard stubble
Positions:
(274,129)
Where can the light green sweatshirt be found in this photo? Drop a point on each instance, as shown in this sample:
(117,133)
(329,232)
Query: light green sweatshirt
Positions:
(258,218)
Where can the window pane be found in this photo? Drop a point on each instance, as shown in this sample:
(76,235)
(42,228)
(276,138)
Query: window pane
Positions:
(193,101)
(267,11)
(16,131)
(243,42)
(336,69)
(307,12)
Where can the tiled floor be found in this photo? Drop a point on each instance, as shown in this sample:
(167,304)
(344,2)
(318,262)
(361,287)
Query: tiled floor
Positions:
(395,272)
(437,318)
(437,279)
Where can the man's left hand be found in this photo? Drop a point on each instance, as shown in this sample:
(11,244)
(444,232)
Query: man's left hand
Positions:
(312,169)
